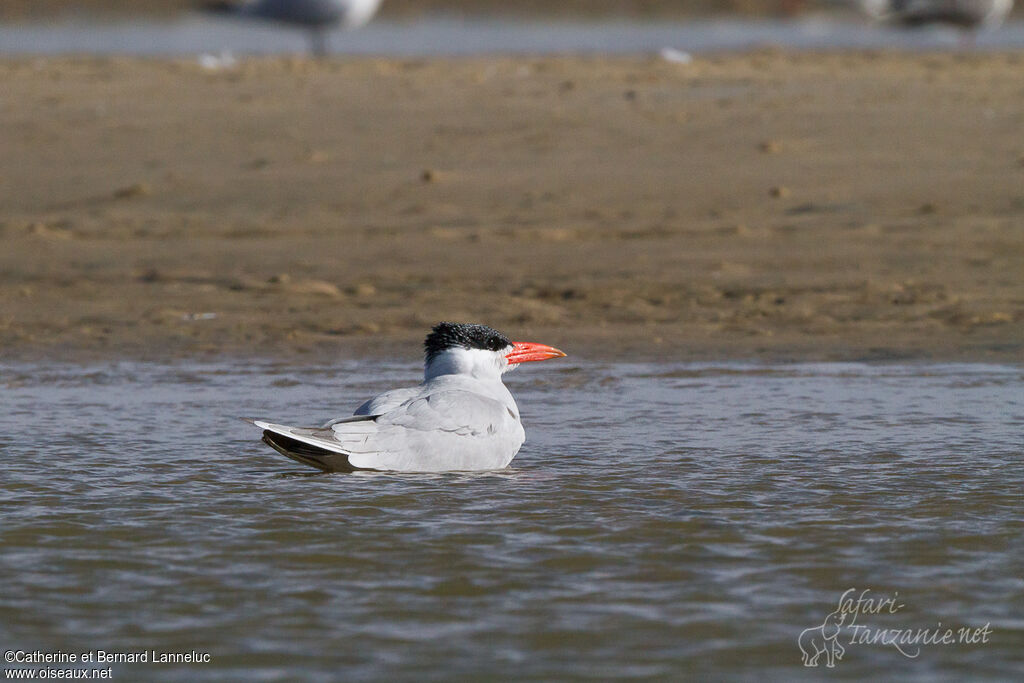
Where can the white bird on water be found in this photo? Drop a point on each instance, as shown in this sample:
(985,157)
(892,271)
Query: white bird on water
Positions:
(964,14)
(318,16)
(460,418)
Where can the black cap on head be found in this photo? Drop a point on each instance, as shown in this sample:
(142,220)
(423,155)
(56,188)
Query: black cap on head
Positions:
(446,335)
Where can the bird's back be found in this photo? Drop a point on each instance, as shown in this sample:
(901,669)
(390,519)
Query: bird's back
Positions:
(312,13)
(447,423)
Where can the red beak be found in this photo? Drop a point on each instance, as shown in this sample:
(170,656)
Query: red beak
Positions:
(523,352)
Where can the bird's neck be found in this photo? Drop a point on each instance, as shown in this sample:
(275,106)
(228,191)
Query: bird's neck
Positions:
(475,363)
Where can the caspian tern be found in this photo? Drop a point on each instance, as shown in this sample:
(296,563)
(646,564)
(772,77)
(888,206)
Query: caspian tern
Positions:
(460,418)
(316,15)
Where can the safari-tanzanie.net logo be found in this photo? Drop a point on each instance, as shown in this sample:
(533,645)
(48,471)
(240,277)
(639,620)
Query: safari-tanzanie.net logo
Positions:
(844,627)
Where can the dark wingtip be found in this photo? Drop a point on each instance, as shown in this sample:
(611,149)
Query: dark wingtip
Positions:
(299,451)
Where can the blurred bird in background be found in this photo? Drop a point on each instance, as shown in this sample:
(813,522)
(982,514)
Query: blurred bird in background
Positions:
(316,16)
(967,15)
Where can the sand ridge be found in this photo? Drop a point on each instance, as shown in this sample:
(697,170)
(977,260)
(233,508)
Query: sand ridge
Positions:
(772,205)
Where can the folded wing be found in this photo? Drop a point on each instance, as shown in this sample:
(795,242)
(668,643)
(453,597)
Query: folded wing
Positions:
(442,431)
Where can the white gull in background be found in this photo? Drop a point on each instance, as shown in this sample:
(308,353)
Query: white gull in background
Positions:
(317,16)
(461,417)
(964,14)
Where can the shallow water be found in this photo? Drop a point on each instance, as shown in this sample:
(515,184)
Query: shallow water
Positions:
(444,36)
(661,521)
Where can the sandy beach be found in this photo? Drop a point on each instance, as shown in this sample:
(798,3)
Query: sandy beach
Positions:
(765,205)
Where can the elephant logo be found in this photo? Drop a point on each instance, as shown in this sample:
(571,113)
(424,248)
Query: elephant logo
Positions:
(823,639)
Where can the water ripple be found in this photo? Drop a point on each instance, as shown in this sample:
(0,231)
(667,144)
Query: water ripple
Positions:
(653,526)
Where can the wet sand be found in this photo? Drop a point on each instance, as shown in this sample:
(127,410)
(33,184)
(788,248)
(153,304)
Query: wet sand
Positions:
(766,205)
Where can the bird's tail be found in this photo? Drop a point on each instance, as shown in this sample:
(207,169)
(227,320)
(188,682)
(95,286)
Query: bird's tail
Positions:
(307,454)
(313,446)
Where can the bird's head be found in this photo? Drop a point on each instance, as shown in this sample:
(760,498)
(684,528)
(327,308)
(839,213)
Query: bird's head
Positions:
(478,350)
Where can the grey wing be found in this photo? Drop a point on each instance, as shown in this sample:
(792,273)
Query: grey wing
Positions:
(388,401)
(446,430)
(309,12)
(378,405)
(455,411)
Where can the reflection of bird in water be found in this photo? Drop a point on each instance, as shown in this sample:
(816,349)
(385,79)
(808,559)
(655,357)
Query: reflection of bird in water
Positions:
(318,16)
(964,14)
